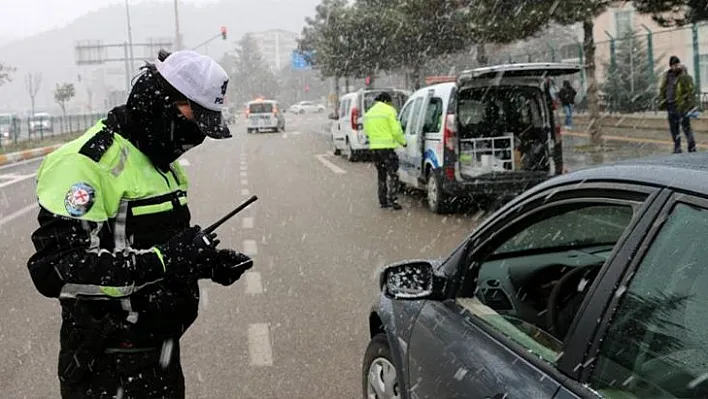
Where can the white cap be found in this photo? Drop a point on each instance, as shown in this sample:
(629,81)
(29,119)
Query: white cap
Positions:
(203,81)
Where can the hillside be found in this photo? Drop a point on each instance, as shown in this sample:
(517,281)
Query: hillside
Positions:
(52,53)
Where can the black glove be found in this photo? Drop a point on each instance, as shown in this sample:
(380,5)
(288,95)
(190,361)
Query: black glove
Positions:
(228,266)
(182,254)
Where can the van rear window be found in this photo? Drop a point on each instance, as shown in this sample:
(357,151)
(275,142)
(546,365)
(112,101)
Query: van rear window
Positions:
(398,99)
(260,108)
(496,111)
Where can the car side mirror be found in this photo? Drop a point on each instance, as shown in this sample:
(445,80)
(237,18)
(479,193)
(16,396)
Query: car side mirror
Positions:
(333,116)
(411,280)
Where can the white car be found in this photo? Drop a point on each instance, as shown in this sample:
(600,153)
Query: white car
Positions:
(41,122)
(306,107)
(347,128)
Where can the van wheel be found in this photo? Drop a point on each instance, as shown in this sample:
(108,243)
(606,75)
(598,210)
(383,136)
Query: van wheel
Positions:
(351,154)
(335,150)
(437,199)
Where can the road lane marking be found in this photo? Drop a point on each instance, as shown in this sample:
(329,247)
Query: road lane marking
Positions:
(248,223)
(243,174)
(244,167)
(18,213)
(184,162)
(253,283)
(244,191)
(244,182)
(259,346)
(250,247)
(17,180)
(334,168)
(20,163)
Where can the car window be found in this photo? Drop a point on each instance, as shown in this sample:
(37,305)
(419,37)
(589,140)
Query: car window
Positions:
(511,291)
(415,116)
(594,225)
(405,115)
(343,108)
(433,116)
(657,342)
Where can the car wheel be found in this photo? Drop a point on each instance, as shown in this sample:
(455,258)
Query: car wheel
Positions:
(379,376)
(302,111)
(320,110)
(351,154)
(437,200)
(335,150)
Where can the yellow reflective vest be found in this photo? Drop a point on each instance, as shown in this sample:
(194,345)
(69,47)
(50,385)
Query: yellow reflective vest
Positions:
(382,128)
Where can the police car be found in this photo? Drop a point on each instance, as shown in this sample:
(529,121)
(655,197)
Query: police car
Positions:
(262,114)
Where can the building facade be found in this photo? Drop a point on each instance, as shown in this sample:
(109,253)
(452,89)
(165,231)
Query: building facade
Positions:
(276,47)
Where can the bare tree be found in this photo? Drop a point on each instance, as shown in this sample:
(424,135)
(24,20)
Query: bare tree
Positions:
(6,73)
(63,94)
(33,83)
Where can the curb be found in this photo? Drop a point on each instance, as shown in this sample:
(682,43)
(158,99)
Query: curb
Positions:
(15,157)
(637,139)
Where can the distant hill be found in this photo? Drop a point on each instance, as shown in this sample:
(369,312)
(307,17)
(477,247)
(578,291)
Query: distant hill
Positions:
(52,53)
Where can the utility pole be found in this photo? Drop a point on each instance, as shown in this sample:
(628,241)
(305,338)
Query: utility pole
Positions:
(130,34)
(178,38)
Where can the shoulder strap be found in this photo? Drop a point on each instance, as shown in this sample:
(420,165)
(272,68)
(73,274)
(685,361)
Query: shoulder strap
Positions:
(97,145)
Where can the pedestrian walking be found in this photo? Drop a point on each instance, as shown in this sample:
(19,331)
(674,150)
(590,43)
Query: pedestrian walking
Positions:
(677,96)
(567,98)
(115,244)
(385,134)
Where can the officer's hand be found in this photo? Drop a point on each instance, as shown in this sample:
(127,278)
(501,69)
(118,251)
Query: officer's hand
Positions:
(229,266)
(182,253)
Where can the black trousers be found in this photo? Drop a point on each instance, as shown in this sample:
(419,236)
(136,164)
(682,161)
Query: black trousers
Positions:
(151,374)
(386,162)
(676,122)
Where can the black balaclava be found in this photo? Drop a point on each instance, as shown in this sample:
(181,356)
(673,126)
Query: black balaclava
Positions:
(151,121)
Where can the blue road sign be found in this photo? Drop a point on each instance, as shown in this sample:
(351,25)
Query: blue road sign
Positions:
(299,60)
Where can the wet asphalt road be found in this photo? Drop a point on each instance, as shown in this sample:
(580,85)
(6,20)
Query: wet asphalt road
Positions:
(296,326)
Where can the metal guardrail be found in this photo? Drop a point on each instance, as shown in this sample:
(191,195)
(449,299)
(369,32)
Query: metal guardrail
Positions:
(16,129)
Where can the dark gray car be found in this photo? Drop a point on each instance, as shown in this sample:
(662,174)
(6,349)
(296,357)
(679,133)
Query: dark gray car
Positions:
(592,284)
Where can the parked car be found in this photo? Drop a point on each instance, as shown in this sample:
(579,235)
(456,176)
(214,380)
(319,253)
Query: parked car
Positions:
(304,107)
(9,127)
(40,122)
(348,130)
(592,284)
(264,115)
(487,136)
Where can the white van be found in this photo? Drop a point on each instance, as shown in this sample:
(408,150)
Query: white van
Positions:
(347,128)
(264,115)
(488,136)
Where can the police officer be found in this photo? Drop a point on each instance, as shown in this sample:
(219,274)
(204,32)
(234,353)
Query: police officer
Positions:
(114,242)
(385,135)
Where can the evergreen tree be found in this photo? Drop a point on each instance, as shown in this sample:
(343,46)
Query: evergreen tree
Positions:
(249,75)
(630,85)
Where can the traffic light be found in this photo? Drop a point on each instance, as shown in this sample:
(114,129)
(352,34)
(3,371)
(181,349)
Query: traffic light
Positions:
(223,32)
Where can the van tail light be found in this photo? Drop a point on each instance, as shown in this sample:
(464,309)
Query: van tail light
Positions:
(450,132)
(450,173)
(354,118)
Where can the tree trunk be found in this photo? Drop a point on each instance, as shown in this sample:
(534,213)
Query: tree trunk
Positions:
(595,128)
(482,58)
(415,77)
(336,92)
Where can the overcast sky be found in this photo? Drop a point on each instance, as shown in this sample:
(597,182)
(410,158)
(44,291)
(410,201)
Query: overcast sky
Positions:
(28,17)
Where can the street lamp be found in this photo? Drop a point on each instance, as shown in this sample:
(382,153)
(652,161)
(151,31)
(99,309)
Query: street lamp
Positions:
(178,39)
(130,34)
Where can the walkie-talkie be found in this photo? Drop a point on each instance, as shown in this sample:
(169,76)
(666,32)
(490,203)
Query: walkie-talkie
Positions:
(205,234)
